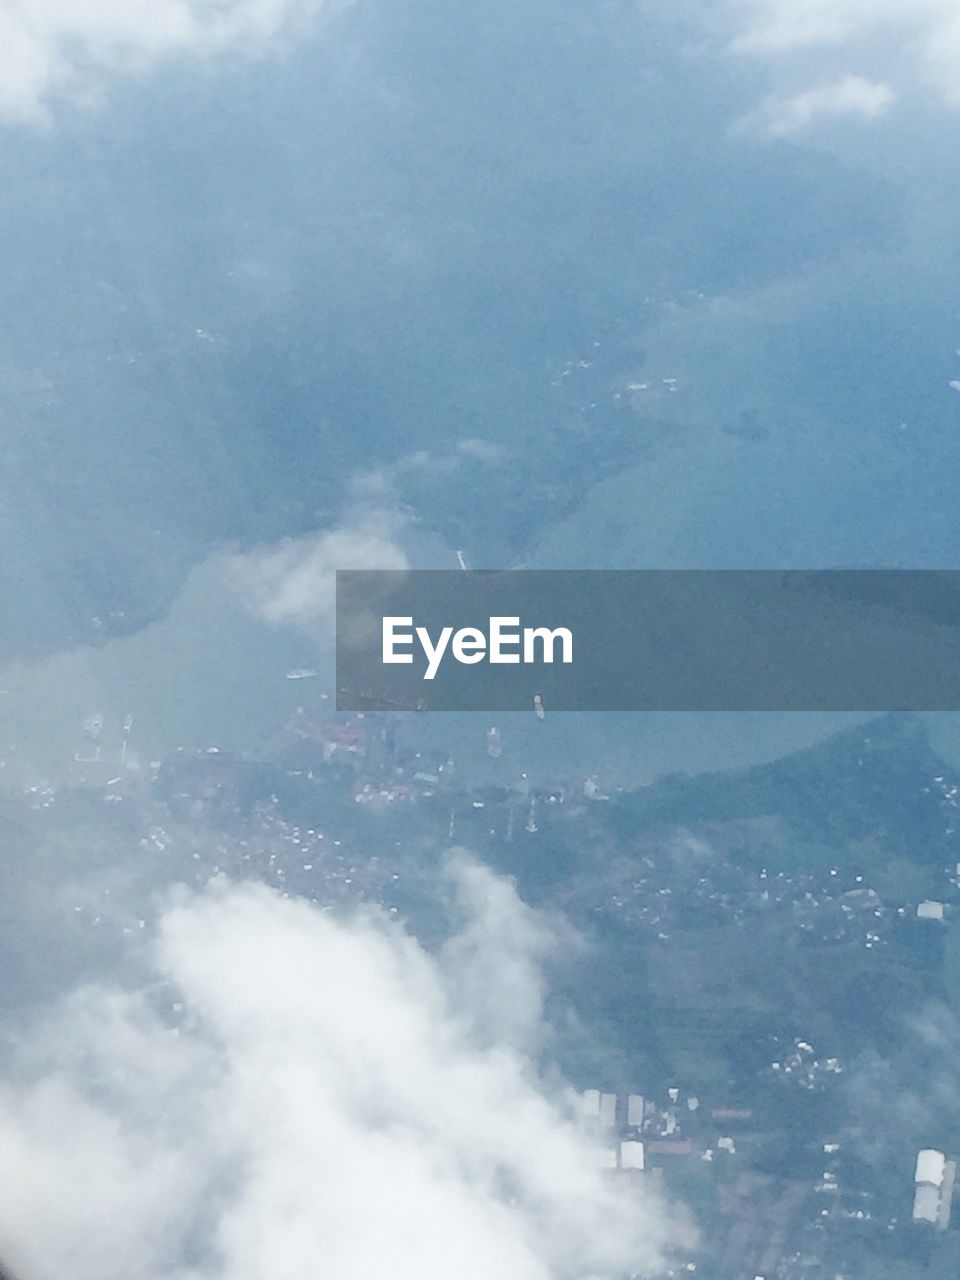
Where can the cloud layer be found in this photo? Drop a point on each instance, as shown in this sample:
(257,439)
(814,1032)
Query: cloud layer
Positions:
(292,1095)
(913,43)
(293,582)
(850,96)
(64,48)
(776,26)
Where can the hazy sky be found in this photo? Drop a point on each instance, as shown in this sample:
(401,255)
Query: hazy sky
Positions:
(292,284)
(554,285)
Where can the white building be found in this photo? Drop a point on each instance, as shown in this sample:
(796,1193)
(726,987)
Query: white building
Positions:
(608,1110)
(935,1179)
(590,1100)
(634,1110)
(632,1155)
(926,1203)
(930,1167)
(930,910)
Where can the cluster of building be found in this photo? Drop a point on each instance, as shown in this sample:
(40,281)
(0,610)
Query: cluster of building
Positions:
(637,1132)
(801,1066)
(355,766)
(381,771)
(829,908)
(619,1120)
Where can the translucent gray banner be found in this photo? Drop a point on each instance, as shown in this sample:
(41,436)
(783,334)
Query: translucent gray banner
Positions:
(648,640)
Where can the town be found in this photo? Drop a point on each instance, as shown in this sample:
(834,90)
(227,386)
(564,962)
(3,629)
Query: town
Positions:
(762,1008)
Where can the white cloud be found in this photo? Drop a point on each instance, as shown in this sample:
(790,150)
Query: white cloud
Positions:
(65,48)
(439,464)
(480,450)
(777,26)
(324,1107)
(493,964)
(293,582)
(854,96)
(917,41)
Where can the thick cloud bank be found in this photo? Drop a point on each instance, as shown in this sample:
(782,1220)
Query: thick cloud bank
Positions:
(292,1095)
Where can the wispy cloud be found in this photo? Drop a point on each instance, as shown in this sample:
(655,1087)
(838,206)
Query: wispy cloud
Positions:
(438,464)
(295,1094)
(777,26)
(56,49)
(848,97)
(493,963)
(916,41)
(293,582)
